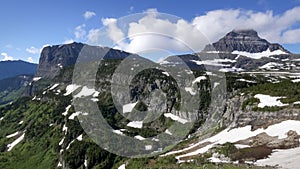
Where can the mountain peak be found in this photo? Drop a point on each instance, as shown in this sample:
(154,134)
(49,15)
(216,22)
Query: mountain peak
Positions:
(244,40)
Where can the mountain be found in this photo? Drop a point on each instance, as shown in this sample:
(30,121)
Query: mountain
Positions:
(257,118)
(243,40)
(14,68)
(241,50)
(13,87)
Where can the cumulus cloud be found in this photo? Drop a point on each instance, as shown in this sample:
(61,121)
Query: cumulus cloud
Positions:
(68,41)
(89,14)
(33,50)
(94,36)
(215,24)
(6,57)
(151,31)
(80,32)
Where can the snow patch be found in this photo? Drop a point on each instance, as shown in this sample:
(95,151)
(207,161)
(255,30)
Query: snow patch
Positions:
(71,88)
(135,124)
(67,109)
(14,143)
(61,141)
(85,91)
(72,116)
(79,138)
(168,132)
(21,122)
(118,132)
(176,118)
(139,137)
(12,135)
(266,100)
(122,166)
(54,86)
(284,158)
(35,79)
(166,73)
(198,79)
(128,107)
(190,90)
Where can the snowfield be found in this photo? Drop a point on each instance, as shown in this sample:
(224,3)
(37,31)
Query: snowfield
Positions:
(284,158)
(280,130)
(266,100)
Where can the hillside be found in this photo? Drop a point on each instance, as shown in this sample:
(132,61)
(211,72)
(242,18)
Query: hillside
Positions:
(209,118)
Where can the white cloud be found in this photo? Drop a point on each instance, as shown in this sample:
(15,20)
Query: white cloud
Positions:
(153,32)
(94,36)
(68,41)
(33,50)
(29,59)
(215,24)
(6,57)
(89,14)
(80,33)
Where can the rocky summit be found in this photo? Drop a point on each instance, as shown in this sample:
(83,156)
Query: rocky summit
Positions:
(243,40)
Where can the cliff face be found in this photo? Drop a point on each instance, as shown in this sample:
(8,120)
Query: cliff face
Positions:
(235,116)
(54,58)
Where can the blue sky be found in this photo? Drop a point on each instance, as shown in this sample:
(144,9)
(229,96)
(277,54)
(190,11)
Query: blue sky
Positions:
(28,25)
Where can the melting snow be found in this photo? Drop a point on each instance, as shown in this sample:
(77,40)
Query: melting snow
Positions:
(284,158)
(36,79)
(244,80)
(166,73)
(13,144)
(65,129)
(59,164)
(67,109)
(296,80)
(76,114)
(128,107)
(1,118)
(122,166)
(61,141)
(54,86)
(168,132)
(266,53)
(70,144)
(21,122)
(12,135)
(190,90)
(79,138)
(198,79)
(85,163)
(242,133)
(270,65)
(266,100)
(176,118)
(139,137)
(71,88)
(118,132)
(85,91)
(135,124)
